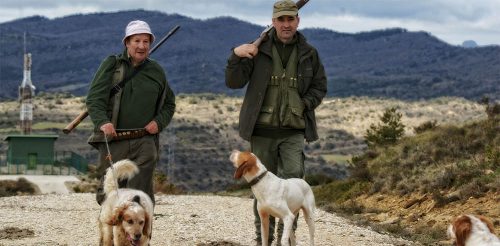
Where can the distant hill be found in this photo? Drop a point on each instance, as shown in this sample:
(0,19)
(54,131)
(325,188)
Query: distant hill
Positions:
(385,63)
(469,44)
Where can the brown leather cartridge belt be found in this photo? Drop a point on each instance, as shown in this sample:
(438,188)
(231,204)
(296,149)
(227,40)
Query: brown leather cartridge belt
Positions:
(131,134)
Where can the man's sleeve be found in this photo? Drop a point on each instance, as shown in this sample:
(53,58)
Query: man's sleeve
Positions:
(238,71)
(318,88)
(166,113)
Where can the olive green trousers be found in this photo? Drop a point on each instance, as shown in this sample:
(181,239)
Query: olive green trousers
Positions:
(284,157)
(143,151)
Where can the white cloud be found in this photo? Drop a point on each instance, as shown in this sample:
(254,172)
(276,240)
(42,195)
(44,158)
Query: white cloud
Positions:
(450,20)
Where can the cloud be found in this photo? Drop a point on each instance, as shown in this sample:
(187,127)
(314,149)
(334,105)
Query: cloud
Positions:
(451,20)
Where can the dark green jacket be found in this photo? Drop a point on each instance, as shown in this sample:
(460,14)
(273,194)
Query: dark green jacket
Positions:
(139,99)
(257,73)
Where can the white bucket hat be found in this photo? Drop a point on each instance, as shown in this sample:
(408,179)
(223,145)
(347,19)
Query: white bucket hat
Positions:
(137,27)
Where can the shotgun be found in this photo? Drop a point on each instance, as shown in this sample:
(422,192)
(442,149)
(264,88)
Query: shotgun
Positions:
(73,124)
(259,40)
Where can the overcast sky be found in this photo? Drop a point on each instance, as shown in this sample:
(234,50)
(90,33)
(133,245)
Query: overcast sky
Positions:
(452,21)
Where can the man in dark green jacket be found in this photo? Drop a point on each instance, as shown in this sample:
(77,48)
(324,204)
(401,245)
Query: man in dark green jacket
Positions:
(286,82)
(131,119)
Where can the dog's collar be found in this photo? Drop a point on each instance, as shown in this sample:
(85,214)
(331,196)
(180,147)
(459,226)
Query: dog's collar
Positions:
(257,179)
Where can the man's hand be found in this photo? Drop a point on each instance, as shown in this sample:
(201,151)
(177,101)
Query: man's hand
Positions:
(152,127)
(246,50)
(108,129)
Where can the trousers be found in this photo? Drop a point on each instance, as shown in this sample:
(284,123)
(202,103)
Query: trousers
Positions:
(143,151)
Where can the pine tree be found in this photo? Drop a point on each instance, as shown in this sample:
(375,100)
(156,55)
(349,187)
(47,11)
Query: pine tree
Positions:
(388,132)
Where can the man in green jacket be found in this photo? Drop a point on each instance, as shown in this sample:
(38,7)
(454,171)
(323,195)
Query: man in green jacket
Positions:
(286,82)
(130,120)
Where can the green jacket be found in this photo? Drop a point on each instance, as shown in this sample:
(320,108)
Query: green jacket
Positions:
(257,73)
(140,96)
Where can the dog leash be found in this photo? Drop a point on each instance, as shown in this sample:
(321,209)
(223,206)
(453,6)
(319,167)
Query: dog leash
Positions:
(111,163)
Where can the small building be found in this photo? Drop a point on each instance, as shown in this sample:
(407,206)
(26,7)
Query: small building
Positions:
(31,150)
(36,155)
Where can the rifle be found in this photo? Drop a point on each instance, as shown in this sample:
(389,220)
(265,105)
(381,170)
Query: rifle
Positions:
(259,40)
(73,124)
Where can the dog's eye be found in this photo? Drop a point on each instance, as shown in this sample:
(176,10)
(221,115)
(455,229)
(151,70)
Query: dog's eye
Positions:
(141,222)
(130,221)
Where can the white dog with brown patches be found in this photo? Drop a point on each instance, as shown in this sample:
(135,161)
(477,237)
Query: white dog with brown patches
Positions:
(470,230)
(281,198)
(126,214)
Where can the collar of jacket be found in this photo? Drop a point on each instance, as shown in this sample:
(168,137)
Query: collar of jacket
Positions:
(303,47)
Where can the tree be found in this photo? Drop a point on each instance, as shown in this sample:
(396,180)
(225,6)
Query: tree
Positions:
(388,132)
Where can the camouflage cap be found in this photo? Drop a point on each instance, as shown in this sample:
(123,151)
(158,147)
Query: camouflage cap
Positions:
(285,7)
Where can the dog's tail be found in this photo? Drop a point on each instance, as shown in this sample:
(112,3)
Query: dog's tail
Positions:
(124,169)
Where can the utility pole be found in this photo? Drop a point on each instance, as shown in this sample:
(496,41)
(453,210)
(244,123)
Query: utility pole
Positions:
(26,93)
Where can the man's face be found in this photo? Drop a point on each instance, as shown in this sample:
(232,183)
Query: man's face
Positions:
(286,26)
(138,47)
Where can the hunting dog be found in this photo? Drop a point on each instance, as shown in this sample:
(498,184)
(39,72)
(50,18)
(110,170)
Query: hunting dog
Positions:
(470,230)
(281,198)
(125,217)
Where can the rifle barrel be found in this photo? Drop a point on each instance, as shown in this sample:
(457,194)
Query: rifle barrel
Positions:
(164,39)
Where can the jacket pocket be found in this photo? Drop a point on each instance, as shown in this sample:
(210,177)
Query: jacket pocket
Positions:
(265,115)
(294,118)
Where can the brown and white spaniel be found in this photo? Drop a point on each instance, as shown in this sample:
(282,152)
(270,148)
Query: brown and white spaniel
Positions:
(126,214)
(471,230)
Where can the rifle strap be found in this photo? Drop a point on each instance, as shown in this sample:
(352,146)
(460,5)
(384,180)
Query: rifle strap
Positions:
(116,88)
(116,99)
(119,83)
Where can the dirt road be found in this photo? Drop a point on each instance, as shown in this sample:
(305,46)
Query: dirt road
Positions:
(71,219)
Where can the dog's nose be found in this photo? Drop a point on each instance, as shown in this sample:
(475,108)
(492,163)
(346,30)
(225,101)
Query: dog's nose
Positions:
(138,236)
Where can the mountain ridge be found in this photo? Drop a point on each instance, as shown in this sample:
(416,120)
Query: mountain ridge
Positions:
(383,63)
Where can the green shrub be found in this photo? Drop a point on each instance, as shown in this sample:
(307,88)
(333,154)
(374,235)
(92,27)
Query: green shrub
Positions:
(388,132)
(318,179)
(428,125)
(339,191)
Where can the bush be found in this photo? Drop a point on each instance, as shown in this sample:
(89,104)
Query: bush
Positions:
(340,191)
(161,184)
(388,132)
(359,168)
(492,110)
(428,125)
(318,179)
(13,188)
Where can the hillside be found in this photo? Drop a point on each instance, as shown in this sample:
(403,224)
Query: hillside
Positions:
(415,186)
(385,63)
(197,144)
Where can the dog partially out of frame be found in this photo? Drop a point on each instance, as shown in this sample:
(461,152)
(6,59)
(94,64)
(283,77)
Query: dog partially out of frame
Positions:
(126,214)
(470,230)
(281,198)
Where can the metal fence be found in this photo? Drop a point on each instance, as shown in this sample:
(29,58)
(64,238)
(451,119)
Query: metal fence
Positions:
(64,163)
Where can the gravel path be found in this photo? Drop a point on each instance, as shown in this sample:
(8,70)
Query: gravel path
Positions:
(71,219)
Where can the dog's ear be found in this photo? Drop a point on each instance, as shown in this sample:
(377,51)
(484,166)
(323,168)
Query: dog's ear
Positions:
(463,227)
(136,199)
(241,170)
(487,222)
(117,215)
(146,229)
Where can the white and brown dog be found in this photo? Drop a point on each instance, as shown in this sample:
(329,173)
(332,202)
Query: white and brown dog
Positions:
(126,214)
(281,198)
(470,230)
